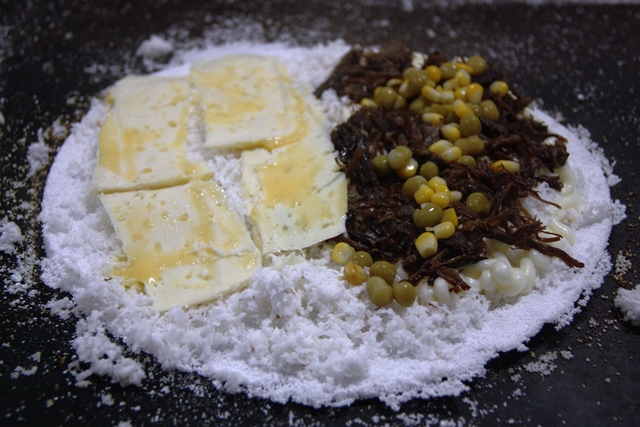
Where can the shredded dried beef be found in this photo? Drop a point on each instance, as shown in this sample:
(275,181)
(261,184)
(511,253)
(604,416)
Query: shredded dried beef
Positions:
(380,218)
(359,71)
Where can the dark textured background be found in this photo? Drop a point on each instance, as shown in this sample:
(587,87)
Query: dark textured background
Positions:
(583,60)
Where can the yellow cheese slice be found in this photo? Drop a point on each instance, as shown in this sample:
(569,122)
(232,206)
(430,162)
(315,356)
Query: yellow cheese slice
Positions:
(295,194)
(141,142)
(182,242)
(248,101)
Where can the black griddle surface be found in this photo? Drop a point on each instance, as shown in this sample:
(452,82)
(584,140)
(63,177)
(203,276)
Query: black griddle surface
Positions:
(581,59)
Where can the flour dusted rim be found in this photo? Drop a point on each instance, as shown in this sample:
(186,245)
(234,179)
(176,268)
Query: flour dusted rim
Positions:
(297,332)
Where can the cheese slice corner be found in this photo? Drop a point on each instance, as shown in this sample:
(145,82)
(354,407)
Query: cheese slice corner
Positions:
(141,141)
(182,242)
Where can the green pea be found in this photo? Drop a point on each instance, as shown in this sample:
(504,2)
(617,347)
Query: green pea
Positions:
(399,157)
(361,258)
(417,105)
(470,125)
(404,293)
(411,185)
(478,203)
(380,292)
(467,160)
(429,216)
(385,97)
(471,146)
(383,269)
(448,70)
(429,170)
(478,64)
(415,79)
(381,165)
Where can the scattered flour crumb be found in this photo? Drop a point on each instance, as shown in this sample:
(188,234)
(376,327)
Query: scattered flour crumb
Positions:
(544,365)
(10,235)
(622,266)
(155,47)
(473,406)
(19,370)
(411,419)
(93,346)
(38,154)
(566,354)
(61,307)
(106,399)
(628,301)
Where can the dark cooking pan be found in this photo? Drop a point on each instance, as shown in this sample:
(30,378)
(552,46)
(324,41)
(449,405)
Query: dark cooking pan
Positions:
(581,59)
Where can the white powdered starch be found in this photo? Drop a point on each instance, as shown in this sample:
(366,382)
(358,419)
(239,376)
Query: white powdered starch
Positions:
(298,331)
(628,301)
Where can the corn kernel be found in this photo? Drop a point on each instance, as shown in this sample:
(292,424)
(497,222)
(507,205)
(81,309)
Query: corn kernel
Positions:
(430,93)
(444,230)
(461,108)
(435,181)
(455,196)
(475,92)
(441,199)
(423,194)
(441,188)
(465,67)
(427,244)
(499,87)
(449,215)
(452,154)
(461,94)
(409,170)
(463,77)
(394,82)
(368,102)
(450,132)
(446,96)
(440,146)
(451,84)
(433,72)
(341,252)
(434,119)
(354,274)
(508,165)
(441,109)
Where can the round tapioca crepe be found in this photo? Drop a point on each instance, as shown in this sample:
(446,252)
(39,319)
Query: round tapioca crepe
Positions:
(298,331)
